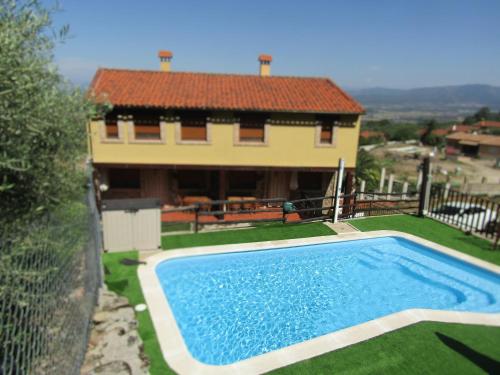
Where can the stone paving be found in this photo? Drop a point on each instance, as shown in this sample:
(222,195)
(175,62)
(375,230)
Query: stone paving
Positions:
(341,228)
(114,345)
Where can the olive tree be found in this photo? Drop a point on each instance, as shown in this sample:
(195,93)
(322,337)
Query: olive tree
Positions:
(42,117)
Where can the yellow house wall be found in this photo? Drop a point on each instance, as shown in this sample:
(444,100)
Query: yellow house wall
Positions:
(289,145)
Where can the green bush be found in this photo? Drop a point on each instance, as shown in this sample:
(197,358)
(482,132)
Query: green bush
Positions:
(367,169)
(42,117)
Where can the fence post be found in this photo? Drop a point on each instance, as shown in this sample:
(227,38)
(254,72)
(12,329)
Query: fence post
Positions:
(405,189)
(447,190)
(425,189)
(338,189)
(390,185)
(419,180)
(196,216)
(382,181)
(362,190)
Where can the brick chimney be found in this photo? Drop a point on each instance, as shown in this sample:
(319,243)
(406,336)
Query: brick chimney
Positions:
(265,65)
(165,59)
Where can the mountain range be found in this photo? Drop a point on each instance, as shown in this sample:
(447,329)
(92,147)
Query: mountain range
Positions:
(461,95)
(441,102)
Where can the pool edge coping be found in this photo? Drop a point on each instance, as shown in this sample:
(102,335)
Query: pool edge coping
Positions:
(178,357)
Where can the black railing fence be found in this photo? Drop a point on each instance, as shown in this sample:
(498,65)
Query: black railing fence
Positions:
(465,211)
(195,216)
(49,278)
(365,204)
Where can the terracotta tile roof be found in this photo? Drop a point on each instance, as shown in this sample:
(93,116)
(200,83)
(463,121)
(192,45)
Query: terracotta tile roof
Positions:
(440,132)
(371,133)
(463,128)
(179,90)
(483,139)
(488,124)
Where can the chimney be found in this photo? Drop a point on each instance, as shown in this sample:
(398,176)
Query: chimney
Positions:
(165,59)
(265,65)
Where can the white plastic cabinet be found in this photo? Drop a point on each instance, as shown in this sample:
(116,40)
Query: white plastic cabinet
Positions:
(130,224)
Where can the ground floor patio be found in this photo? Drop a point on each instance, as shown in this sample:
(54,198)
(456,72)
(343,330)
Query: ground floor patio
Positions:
(177,186)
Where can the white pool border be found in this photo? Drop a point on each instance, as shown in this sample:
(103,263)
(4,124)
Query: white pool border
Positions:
(179,358)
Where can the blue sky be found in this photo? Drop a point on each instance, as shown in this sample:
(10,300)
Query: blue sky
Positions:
(358,43)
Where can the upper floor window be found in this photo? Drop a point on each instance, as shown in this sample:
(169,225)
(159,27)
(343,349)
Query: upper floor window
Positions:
(326,136)
(112,127)
(147,127)
(194,127)
(252,128)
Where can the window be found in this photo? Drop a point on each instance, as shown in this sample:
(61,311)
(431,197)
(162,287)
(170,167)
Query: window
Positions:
(326,136)
(147,127)
(252,128)
(112,127)
(194,127)
(124,179)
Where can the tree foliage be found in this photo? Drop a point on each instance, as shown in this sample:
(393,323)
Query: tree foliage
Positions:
(367,169)
(42,117)
(393,131)
(483,114)
(427,135)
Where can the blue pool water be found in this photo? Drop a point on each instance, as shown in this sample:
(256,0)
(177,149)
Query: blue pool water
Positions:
(234,306)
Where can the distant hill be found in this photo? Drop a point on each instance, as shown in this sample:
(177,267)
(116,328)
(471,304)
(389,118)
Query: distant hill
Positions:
(445,103)
(456,96)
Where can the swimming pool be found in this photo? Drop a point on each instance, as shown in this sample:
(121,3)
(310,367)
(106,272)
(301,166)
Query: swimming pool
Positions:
(232,306)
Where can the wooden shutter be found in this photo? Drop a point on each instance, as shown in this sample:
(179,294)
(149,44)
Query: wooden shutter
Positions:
(147,127)
(111,131)
(194,128)
(326,133)
(252,128)
(111,127)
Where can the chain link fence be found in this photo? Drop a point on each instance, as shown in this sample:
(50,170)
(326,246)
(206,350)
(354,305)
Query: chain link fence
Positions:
(50,273)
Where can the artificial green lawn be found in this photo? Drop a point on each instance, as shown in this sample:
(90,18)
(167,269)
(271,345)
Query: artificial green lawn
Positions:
(267,232)
(415,349)
(123,280)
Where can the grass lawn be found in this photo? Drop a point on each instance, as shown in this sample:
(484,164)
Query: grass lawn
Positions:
(123,280)
(418,349)
(424,348)
(267,232)
(177,227)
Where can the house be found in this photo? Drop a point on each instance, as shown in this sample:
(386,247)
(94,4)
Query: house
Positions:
(367,134)
(462,128)
(482,145)
(185,137)
(487,125)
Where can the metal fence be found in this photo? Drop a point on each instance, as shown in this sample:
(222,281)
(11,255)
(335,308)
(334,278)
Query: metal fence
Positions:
(50,273)
(465,211)
(365,204)
(227,212)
